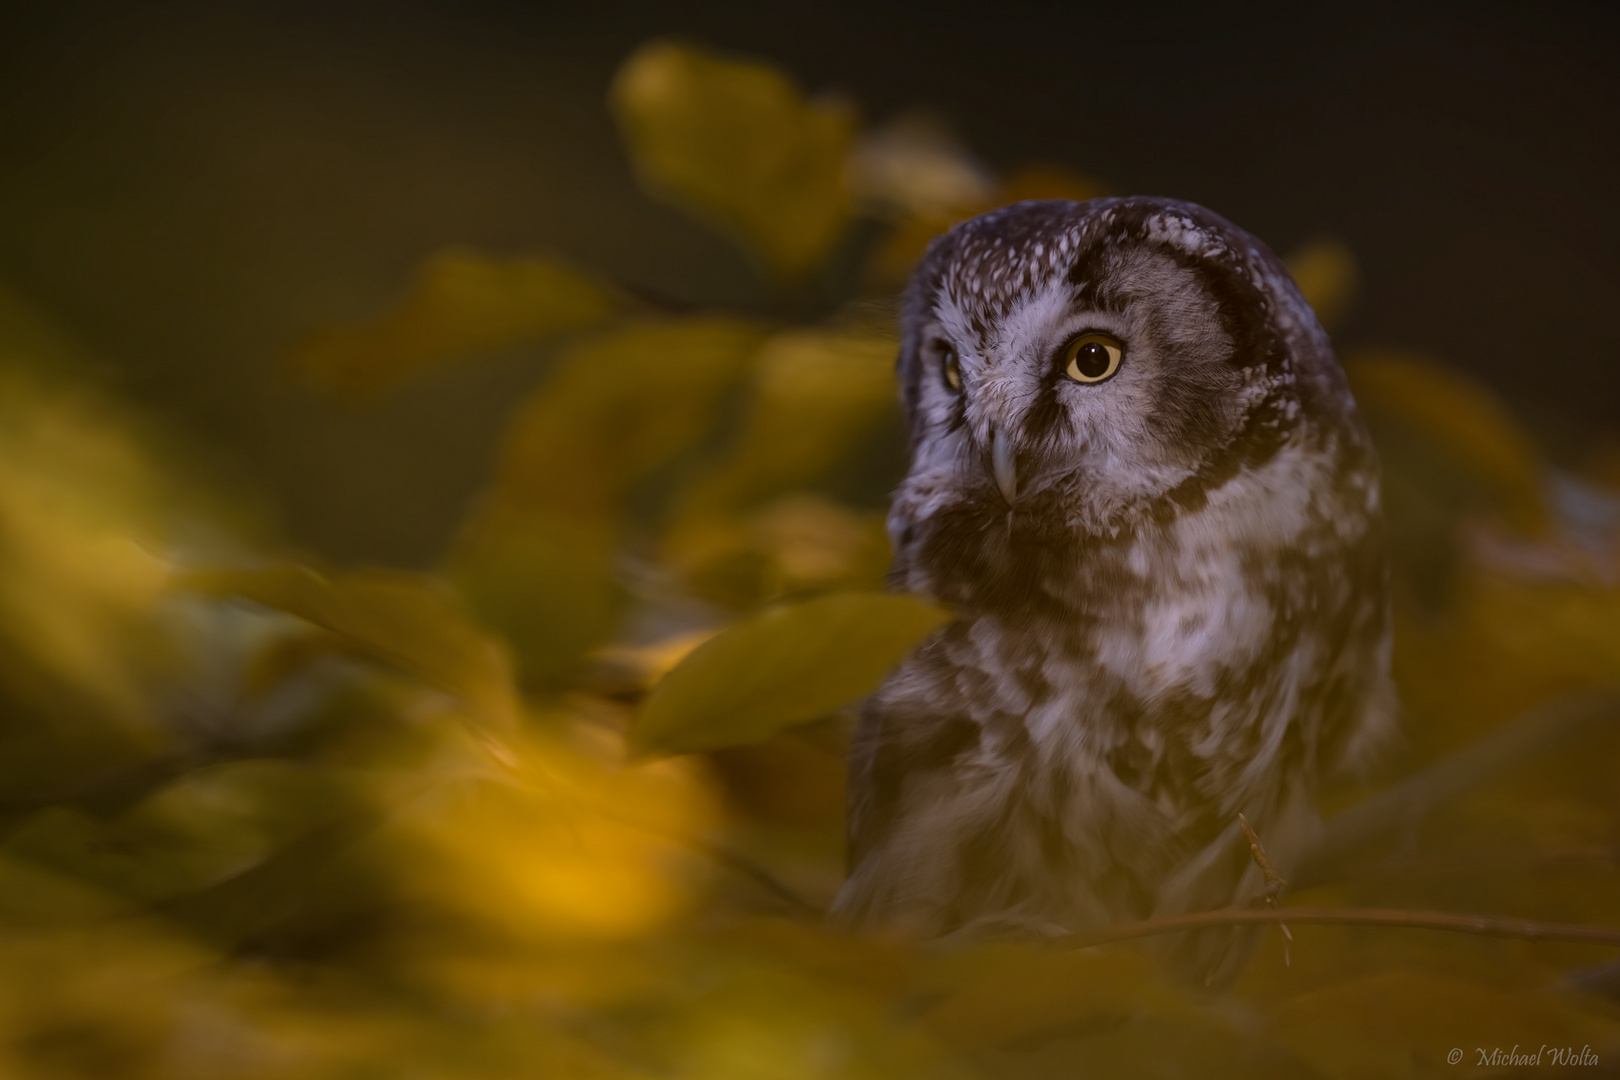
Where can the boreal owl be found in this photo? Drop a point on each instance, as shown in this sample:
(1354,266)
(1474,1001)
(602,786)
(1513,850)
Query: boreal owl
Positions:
(1138,477)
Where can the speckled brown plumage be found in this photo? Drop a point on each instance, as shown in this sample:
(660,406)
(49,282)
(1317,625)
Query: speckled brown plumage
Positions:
(1178,611)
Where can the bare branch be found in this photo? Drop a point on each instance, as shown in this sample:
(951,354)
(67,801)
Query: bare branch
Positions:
(1488,925)
(1275,883)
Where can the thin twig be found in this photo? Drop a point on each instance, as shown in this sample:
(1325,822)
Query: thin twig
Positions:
(1275,883)
(1488,925)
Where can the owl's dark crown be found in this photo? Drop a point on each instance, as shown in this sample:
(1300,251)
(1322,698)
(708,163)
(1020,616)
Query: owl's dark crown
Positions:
(989,264)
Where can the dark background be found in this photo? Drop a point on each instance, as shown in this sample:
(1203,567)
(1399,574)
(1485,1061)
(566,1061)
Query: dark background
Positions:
(191,186)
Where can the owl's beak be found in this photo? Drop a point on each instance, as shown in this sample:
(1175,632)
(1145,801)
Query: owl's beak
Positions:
(1004,465)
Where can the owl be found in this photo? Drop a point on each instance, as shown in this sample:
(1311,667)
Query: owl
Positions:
(1139,479)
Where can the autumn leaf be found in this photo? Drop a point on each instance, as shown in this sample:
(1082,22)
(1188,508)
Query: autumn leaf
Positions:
(785,666)
(461,303)
(738,145)
(1327,276)
(814,394)
(616,407)
(563,844)
(546,583)
(1459,420)
(407,621)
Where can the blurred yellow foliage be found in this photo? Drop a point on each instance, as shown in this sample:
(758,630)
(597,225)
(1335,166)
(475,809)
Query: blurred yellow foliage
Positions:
(555,842)
(85,517)
(461,303)
(262,819)
(813,395)
(785,666)
(738,144)
(408,621)
(616,407)
(1327,275)
(1462,421)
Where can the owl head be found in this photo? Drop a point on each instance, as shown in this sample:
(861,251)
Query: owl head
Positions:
(1079,369)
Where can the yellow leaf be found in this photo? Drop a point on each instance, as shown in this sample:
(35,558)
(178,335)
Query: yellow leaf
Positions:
(546,582)
(1327,275)
(790,546)
(816,393)
(87,648)
(1460,419)
(408,621)
(202,828)
(635,668)
(460,303)
(561,845)
(618,406)
(737,144)
(785,666)
(914,167)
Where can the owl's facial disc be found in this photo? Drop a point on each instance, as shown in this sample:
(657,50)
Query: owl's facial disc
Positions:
(1084,360)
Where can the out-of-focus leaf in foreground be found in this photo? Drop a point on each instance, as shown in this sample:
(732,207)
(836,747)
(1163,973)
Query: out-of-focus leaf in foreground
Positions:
(739,534)
(76,503)
(616,407)
(546,583)
(461,303)
(1326,273)
(785,666)
(738,145)
(1460,421)
(536,560)
(404,620)
(564,845)
(790,546)
(815,393)
(86,518)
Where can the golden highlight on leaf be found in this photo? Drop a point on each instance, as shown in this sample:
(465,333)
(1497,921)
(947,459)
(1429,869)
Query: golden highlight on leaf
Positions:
(460,303)
(739,146)
(563,845)
(785,666)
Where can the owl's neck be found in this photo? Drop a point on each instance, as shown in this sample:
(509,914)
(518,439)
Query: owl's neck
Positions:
(1043,561)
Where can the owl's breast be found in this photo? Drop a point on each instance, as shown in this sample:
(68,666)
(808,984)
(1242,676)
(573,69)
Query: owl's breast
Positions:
(1194,659)
(1085,736)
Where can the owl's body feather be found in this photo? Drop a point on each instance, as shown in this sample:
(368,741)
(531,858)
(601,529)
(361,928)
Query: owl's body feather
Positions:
(1171,580)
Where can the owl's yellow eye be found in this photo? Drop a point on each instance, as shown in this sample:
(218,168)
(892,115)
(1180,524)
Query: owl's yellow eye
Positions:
(1091,358)
(952,369)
